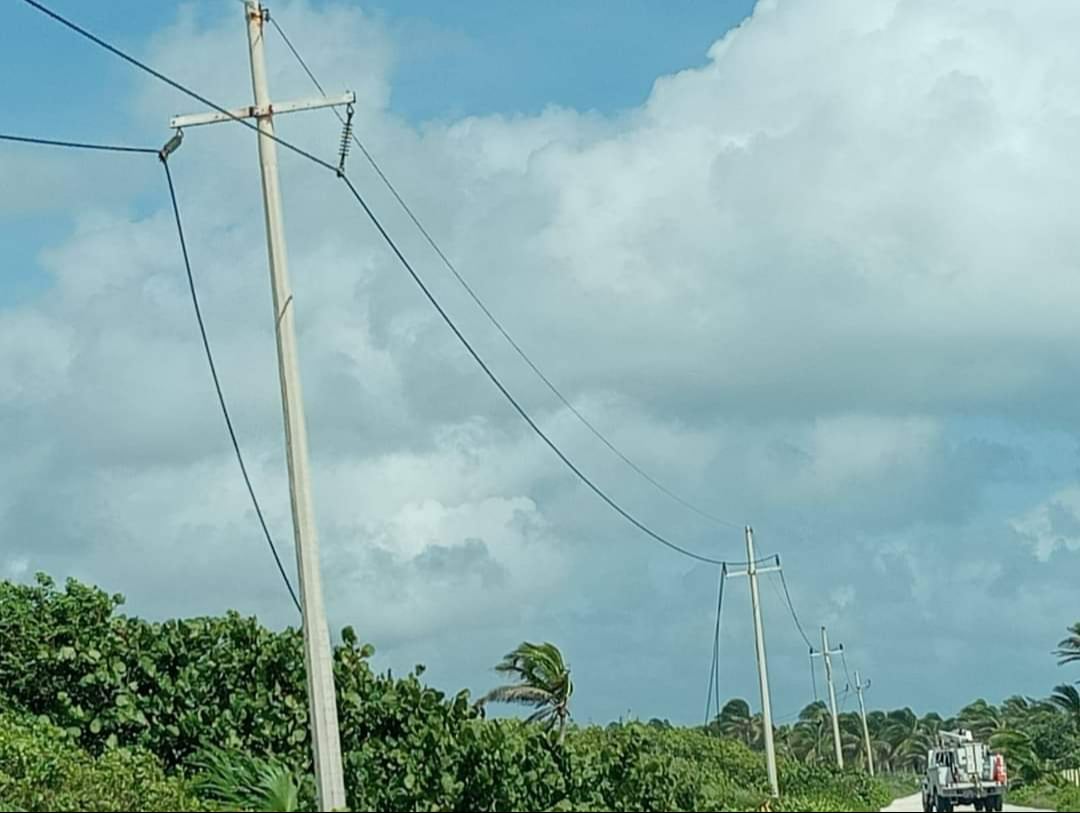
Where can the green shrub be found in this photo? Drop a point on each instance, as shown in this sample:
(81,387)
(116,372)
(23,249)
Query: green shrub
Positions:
(42,768)
(1047,795)
(1068,798)
(176,687)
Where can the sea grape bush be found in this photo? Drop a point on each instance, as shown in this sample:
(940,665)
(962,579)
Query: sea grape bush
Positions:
(108,682)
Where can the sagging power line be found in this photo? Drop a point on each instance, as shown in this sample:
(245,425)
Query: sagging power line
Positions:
(77,145)
(495,321)
(714,667)
(163,154)
(238,117)
(263,113)
(220,394)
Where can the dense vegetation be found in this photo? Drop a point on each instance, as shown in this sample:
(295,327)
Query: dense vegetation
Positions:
(102,711)
(42,768)
(1039,737)
(174,691)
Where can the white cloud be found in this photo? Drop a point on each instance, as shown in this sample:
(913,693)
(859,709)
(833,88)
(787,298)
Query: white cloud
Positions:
(776,285)
(1052,525)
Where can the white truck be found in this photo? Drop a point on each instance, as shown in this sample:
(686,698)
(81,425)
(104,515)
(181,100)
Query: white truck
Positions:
(960,771)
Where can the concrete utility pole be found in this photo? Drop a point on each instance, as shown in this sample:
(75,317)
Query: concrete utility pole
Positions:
(318,660)
(752,571)
(859,687)
(827,654)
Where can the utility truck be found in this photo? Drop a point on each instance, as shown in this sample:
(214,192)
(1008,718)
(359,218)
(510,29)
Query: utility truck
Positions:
(961,771)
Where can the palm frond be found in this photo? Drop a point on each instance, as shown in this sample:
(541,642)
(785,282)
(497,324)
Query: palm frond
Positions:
(546,713)
(519,694)
(245,782)
(542,681)
(1068,650)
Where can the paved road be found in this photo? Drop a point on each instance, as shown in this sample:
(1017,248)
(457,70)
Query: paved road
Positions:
(913,804)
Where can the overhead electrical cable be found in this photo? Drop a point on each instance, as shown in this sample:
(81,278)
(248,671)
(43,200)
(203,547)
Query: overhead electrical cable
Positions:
(220,394)
(77,145)
(162,154)
(645,529)
(714,667)
(78,29)
(452,267)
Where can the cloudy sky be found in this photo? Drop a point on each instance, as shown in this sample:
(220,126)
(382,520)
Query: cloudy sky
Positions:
(810,263)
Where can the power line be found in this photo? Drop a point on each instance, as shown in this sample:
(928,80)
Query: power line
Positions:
(300,59)
(77,145)
(408,267)
(217,388)
(845,698)
(491,316)
(791,607)
(789,718)
(172,82)
(162,154)
(714,670)
(847,674)
(509,397)
(785,598)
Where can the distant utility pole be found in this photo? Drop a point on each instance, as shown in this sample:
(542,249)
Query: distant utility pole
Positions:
(859,687)
(318,660)
(826,655)
(752,571)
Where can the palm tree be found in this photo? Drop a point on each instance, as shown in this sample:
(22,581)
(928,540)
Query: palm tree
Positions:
(812,735)
(1066,698)
(736,722)
(910,738)
(785,743)
(985,719)
(1069,649)
(1019,750)
(853,740)
(543,682)
(1018,708)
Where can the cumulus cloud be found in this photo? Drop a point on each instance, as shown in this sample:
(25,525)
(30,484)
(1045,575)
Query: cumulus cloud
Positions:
(1053,525)
(791,284)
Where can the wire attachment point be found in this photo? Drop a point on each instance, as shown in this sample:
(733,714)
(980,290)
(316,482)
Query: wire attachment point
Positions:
(171,146)
(346,141)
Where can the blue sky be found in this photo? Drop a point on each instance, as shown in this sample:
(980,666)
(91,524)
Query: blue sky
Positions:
(458,59)
(818,274)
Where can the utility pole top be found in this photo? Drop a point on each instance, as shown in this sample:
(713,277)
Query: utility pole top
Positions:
(827,654)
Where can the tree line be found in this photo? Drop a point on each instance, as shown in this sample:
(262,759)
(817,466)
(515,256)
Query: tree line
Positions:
(1038,736)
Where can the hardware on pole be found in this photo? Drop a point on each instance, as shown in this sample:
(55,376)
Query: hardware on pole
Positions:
(826,655)
(318,658)
(752,572)
(860,687)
